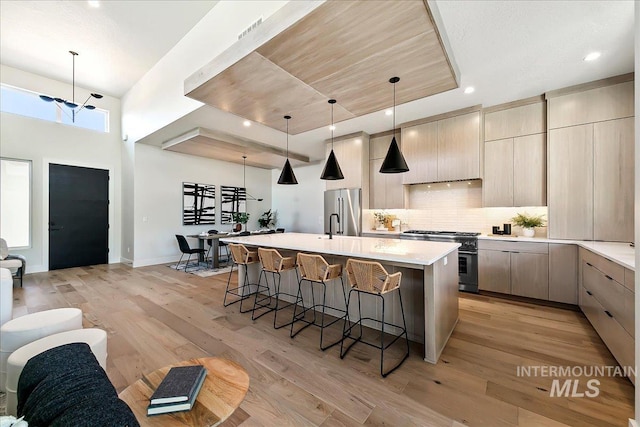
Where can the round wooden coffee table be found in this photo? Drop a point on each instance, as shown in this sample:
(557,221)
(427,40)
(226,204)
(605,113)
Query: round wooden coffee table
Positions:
(221,394)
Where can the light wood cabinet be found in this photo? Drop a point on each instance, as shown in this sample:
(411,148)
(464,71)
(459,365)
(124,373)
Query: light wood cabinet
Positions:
(563,273)
(352,153)
(515,155)
(420,150)
(608,304)
(515,268)
(590,161)
(591,105)
(459,147)
(385,189)
(530,275)
(530,170)
(497,185)
(570,169)
(613,203)
(494,271)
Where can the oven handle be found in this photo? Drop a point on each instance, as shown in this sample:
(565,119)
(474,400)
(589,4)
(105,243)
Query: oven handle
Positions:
(468,252)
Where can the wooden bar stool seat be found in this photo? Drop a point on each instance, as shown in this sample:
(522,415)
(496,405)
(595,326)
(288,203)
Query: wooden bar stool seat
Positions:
(240,255)
(273,264)
(369,277)
(314,269)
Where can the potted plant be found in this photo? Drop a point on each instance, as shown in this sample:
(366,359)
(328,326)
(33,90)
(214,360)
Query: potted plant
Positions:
(267,219)
(381,219)
(240,218)
(528,223)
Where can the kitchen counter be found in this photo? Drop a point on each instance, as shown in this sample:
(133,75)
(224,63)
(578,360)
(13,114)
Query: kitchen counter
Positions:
(429,279)
(618,252)
(382,233)
(412,252)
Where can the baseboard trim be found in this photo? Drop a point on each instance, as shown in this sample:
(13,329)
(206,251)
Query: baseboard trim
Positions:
(155,261)
(632,423)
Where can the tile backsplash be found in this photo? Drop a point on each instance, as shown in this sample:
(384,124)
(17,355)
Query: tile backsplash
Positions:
(455,206)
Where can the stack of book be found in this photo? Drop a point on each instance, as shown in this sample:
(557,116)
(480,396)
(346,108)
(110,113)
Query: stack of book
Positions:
(178,390)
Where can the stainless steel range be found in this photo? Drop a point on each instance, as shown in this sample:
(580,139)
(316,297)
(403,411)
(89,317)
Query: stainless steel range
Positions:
(467,253)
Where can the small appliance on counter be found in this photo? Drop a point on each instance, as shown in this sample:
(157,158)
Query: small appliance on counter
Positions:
(506,231)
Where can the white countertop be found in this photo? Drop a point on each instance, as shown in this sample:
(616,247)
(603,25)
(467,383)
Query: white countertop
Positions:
(381,232)
(382,249)
(618,252)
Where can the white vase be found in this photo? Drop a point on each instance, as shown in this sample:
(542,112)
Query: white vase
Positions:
(528,232)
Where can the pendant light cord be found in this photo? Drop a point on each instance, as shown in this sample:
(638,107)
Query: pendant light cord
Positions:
(331,127)
(287,138)
(394,108)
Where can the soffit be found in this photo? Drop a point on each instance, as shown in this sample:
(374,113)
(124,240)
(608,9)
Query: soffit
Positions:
(342,50)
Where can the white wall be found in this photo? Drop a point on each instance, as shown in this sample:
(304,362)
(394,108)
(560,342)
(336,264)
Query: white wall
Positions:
(45,142)
(158,98)
(300,207)
(159,176)
(128,201)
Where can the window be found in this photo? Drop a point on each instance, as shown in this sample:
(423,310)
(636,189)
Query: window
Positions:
(26,103)
(15,202)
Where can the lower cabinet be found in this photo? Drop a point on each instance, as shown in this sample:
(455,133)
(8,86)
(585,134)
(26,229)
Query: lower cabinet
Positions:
(529,269)
(609,305)
(514,268)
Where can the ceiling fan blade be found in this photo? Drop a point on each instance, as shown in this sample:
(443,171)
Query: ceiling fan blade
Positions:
(46,98)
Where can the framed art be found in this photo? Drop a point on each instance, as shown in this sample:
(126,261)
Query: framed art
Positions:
(198,203)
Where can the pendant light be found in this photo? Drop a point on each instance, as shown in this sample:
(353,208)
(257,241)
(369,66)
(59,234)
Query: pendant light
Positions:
(332,169)
(287,177)
(394,160)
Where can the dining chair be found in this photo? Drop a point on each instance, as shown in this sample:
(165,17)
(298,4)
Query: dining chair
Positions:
(186,249)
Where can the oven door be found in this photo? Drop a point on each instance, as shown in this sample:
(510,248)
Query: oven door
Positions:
(468,271)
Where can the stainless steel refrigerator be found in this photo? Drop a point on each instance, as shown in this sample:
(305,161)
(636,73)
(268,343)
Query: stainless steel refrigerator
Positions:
(347,204)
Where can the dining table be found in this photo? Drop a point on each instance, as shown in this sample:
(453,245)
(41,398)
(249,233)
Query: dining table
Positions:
(215,244)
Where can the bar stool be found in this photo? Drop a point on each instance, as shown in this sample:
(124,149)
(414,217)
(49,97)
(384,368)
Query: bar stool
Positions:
(316,270)
(371,278)
(274,263)
(241,256)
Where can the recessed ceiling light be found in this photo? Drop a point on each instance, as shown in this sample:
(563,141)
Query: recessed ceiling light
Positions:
(388,113)
(332,127)
(592,56)
(469,89)
(246,123)
(94,3)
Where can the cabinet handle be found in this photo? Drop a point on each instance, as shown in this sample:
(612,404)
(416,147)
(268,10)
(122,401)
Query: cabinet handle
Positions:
(608,314)
(608,277)
(589,264)
(514,252)
(505,252)
(589,293)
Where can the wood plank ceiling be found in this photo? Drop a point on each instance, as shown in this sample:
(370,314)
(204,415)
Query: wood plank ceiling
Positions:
(345,50)
(230,148)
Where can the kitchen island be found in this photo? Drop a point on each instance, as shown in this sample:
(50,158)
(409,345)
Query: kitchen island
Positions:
(429,278)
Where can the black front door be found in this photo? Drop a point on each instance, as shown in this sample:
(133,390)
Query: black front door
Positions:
(78,216)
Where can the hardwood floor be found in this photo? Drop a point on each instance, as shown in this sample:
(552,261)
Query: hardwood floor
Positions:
(156,316)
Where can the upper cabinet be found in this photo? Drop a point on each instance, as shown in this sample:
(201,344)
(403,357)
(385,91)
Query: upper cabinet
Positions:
(385,189)
(515,154)
(591,152)
(352,153)
(443,148)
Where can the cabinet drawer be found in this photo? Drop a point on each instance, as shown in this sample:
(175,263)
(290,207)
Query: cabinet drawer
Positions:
(619,342)
(608,292)
(609,268)
(630,280)
(509,246)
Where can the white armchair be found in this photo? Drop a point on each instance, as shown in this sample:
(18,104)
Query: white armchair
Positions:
(15,263)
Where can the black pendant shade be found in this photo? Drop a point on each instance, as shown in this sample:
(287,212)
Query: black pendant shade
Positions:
(287,177)
(332,169)
(394,161)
